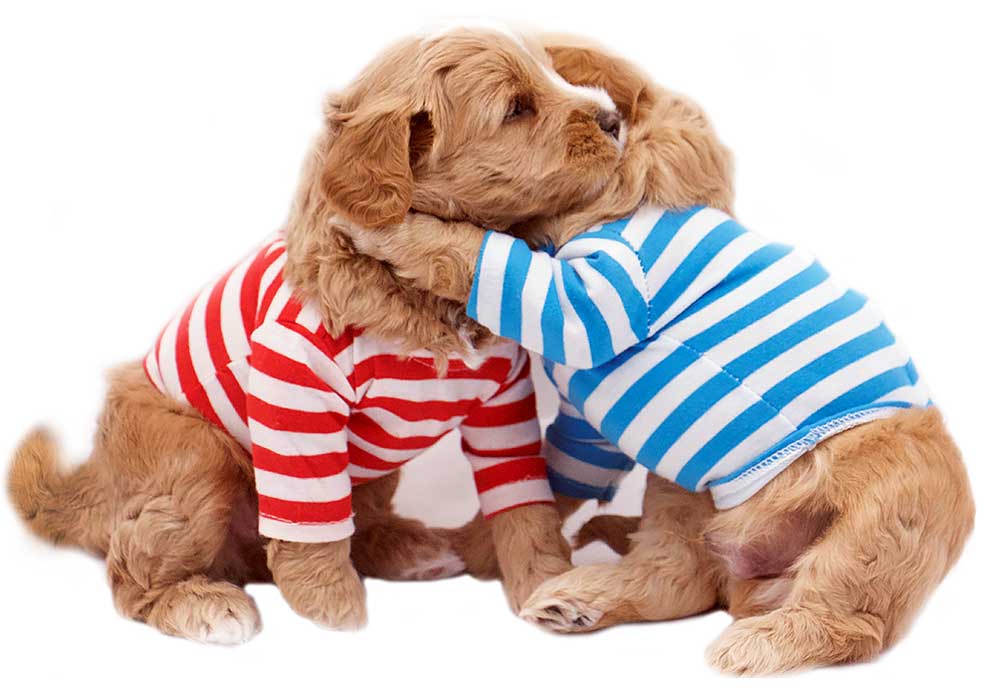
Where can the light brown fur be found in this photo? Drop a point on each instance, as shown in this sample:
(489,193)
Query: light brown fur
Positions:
(168,499)
(830,561)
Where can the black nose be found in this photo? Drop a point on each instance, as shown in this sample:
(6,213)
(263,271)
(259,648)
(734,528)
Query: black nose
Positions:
(609,122)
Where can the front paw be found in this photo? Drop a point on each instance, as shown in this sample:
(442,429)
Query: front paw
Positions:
(565,604)
(319,582)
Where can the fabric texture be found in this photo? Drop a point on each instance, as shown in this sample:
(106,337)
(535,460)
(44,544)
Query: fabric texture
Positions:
(683,342)
(320,413)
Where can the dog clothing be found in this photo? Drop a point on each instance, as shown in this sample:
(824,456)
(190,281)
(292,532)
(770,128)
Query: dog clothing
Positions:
(319,413)
(680,341)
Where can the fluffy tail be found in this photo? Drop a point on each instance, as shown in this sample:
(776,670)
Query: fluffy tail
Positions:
(63,507)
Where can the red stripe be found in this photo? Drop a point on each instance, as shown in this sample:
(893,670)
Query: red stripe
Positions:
(292,420)
(506,414)
(363,458)
(522,374)
(395,367)
(298,512)
(251,284)
(265,303)
(302,466)
(284,368)
(190,384)
(217,348)
(420,410)
(368,430)
(234,392)
(509,473)
(529,450)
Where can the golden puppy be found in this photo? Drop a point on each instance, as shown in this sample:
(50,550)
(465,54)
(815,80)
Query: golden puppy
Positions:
(465,123)
(830,561)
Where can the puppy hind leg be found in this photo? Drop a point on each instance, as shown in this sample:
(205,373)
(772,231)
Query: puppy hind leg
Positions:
(854,591)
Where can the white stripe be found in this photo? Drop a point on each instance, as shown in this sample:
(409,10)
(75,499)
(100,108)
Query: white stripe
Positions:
(691,233)
(495,257)
(292,444)
(712,274)
(576,344)
(293,396)
(303,490)
(286,342)
(578,470)
(843,380)
(649,417)
(514,494)
(386,454)
(272,271)
(751,447)
(153,370)
(358,472)
(296,532)
(622,378)
(517,391)
(704,429)
(800,355)
(778,320)
(394,425)
(536,288)
(769,278)
(502,436)
(428,389)
(234,336)
(279,302)
(167,360)
(309,317)
(640,224)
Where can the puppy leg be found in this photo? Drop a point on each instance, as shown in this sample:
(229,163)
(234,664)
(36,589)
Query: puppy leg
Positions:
(395,548)
(160,551)
(530,549)
(904,511)
(613,530)
(667,574)
(319,582)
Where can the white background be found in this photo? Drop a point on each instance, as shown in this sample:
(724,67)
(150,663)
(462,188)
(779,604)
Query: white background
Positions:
(143,149)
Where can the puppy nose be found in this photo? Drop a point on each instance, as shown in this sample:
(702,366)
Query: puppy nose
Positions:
(609,122)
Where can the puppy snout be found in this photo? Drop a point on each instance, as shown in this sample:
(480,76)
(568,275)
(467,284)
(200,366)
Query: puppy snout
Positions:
(609,122)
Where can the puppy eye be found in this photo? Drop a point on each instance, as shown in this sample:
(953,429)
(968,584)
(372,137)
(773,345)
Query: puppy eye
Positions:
(518,107)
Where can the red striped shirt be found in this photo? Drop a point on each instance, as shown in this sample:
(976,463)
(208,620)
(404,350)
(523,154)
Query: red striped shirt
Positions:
(319,413)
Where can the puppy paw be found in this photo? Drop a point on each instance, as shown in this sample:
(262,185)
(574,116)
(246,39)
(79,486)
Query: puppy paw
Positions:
(211,612)
(560,605)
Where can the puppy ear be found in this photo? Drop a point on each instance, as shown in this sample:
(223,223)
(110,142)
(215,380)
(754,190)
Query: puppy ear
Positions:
(366,175)
(623,82)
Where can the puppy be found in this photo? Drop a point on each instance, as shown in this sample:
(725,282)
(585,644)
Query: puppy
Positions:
(825,536)
(230,454)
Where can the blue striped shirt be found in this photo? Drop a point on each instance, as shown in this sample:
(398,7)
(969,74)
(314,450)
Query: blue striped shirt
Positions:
(683,342)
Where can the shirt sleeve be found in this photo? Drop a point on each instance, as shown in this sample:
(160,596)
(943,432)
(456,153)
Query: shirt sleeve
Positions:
(502,440)
(296,412)
(581,462)
(581,307)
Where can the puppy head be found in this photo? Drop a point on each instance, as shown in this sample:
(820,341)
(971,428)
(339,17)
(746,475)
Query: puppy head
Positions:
(467,124)
(672,156)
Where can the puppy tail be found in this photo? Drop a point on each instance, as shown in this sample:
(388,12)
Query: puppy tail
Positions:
(57,505)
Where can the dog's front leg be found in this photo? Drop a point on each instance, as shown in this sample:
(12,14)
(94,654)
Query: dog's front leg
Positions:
(319,581)
(530,549)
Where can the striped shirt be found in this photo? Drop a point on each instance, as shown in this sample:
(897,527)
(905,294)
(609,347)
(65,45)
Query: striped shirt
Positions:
(320,413)
(685,343)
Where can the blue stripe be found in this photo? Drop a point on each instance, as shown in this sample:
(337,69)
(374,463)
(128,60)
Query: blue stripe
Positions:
(574,489)
(785,391)
(735,432)
(583,382)
(682,417)
(752,265)
(630,405)
(552,327)
(578,429)
(865,393)
(631,298)
(662,233)
(588,452)
(760,307)
(694,264)
(755,358)
(593,323)
(515,273)
(470,308)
